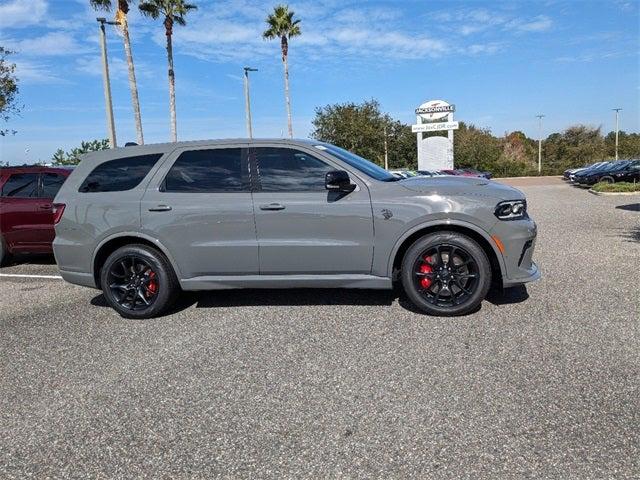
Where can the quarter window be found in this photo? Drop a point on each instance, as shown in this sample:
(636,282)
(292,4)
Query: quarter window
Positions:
(51,183)
(202,171)
(289,170)
(119,175)
(21,185)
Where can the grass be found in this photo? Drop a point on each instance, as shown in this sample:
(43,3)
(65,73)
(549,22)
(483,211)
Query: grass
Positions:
(616,187)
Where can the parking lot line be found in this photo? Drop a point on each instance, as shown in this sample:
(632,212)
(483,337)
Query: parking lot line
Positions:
(16,275)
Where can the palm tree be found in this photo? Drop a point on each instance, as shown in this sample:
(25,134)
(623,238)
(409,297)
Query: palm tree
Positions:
(282,25)
(121,17)
(173,11)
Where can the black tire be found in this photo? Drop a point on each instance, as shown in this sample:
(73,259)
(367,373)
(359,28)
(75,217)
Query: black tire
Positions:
(128,296)
(445,293)
(607,179)
(4,254)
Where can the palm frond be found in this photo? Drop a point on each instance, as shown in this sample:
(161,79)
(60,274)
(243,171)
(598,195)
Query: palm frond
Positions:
(101,4)
(281,23)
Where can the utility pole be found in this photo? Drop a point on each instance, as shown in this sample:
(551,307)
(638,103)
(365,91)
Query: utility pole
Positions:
(247,102)
(386,151)
(617,110)
(540,117)
(107,83)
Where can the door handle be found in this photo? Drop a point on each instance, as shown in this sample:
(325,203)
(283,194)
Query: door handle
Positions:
(272,206)
(160,208)
(46,206)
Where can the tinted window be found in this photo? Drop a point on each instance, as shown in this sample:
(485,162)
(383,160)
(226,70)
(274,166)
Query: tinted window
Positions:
(119,175)
(288,170)
(362,164)
(215,170)
(51,183)
(21,185)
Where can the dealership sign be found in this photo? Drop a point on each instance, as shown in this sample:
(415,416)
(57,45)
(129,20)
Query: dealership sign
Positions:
(434,127)
(435,152)
(435,110)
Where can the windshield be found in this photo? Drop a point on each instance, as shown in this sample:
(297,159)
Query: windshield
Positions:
(365,166)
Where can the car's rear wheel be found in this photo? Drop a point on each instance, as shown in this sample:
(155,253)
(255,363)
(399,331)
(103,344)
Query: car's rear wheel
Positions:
(446,274)
(138,282)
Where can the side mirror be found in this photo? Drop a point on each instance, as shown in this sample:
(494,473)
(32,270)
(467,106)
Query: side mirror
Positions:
(338,180)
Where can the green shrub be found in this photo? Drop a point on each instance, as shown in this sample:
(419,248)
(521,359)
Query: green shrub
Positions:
(616,187)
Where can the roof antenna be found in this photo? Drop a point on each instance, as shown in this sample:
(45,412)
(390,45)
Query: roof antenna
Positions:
(130,144)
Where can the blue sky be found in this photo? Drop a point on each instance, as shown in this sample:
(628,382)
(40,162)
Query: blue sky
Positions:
(499,62)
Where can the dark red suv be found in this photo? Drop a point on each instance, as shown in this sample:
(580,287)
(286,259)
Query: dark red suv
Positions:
(27,211)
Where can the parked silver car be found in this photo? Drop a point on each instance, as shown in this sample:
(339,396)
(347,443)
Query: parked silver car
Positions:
(143,222)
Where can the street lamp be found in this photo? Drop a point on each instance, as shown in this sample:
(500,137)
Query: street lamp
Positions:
(247,103)
(617,110)
(540,117)
(107,83)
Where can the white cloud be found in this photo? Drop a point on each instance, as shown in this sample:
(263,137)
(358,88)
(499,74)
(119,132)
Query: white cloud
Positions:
(540,23)
(22,13)
(50,44)
(35,72)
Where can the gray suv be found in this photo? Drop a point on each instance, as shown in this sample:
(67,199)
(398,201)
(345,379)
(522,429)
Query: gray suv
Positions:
(143,223)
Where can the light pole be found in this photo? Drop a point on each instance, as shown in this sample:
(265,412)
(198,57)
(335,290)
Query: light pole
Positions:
(107,83)
(247,102)
(540,117)
(617,110)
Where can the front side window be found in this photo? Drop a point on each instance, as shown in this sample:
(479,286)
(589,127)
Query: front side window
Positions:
(51,183)
(21,185)
(207,171)
(365,166)
(288,170)
(119,175)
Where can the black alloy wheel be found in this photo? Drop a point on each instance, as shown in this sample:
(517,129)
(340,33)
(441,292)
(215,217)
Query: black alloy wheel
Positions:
(133,283)
(446,273)
(138,282)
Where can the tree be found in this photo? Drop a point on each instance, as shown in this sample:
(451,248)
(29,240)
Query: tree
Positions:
(578,145)
(628,144)
(72,157)
(173,12)
(121,17)
(360,128)
(8,90)
(282,25)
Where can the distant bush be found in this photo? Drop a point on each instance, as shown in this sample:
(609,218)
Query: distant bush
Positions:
(616,187)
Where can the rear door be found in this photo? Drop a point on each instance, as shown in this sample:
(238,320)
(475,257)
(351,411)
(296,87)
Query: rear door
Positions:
(302,227)
(25,217)
(199,206)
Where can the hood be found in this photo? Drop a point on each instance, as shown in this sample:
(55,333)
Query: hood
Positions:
(471,186)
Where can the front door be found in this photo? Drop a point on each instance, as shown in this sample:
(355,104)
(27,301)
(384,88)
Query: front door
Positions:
(303,228)
(199,206)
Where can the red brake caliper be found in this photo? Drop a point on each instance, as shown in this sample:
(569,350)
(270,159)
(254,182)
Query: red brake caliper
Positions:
(426,282)
(152,289)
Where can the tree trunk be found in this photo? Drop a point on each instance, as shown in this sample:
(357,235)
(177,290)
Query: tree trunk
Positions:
(287,98)
(133,86)
(172,91)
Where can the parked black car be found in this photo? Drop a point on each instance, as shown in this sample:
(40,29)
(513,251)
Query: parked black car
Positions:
(596,167)
(621,171)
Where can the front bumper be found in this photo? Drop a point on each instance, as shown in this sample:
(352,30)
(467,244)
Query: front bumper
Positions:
(519,240)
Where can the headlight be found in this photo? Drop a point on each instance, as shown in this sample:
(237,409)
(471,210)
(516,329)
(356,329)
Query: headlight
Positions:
(511,210)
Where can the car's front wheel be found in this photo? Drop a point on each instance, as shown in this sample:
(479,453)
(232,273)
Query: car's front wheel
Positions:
(138,282)
(446,274)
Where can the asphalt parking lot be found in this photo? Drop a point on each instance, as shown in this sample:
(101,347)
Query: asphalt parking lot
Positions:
(542,382)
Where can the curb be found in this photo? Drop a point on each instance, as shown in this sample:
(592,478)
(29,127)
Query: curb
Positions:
(613,193)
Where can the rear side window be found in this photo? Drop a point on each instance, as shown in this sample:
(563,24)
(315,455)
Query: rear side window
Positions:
(200,171)
(119,175)
(51,183)
(289,170)
(21,185)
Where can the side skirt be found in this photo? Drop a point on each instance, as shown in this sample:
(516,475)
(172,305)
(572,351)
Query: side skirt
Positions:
(286,281)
